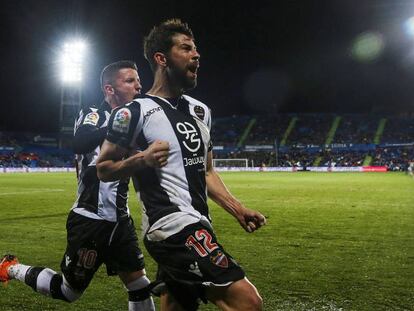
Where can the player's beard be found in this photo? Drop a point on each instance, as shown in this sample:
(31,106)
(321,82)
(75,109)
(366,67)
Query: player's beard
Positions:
(179,77)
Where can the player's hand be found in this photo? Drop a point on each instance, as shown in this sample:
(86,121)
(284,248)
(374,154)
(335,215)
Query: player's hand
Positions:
(251,220)
(156,155)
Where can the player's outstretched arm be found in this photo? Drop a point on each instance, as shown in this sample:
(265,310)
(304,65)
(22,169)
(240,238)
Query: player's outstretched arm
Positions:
(250,220)
(112,164)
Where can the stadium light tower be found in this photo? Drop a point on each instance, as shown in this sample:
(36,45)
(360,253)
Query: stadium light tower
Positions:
(72,59)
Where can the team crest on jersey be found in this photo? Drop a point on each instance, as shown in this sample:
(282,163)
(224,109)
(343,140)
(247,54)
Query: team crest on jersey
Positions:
(192,141)
(200,112)
(91,118)
(219,259)
(122,120)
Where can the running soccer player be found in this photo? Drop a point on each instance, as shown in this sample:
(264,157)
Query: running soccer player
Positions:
(178,231)
(99,226)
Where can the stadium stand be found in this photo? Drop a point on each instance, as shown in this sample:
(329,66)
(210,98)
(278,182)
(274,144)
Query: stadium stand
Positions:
(356,129)
(310,129)
(399,130)
(395,158)
(284,140)
(327,140)
(228,131)
(32,150)
(266,129)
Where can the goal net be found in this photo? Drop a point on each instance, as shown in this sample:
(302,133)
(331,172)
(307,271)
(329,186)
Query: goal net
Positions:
(230,163)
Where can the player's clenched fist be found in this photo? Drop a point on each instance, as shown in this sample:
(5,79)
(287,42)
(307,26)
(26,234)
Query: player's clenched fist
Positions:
(156,155)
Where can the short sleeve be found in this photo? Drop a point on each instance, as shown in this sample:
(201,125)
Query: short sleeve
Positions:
(122,125)
(89,117)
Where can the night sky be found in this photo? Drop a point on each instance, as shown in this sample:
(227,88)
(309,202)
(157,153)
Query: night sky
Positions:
(265,57)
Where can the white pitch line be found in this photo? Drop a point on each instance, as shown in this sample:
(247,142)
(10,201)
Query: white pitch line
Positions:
(32,191)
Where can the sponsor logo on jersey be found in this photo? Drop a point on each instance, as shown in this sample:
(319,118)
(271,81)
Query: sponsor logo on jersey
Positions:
(220,259)
(122,120)
(199,111)
(151,111)
(192,142)
(193,161)
(91,118)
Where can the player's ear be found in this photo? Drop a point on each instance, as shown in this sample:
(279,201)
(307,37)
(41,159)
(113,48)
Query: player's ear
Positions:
(109,90)
(160,59)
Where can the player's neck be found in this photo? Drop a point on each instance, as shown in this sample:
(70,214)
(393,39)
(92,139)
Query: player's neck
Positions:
(164,88)
(112,102)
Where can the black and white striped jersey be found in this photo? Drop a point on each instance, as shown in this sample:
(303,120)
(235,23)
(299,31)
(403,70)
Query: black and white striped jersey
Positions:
(175,195)
(96,199)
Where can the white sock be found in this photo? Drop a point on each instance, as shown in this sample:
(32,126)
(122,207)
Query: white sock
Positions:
(147,305)
(43,281)
(142,305)
(18,271)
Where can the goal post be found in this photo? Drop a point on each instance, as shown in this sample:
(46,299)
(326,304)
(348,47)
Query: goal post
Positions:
(230,163)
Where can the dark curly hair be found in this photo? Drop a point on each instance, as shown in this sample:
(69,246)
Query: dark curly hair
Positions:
(160,38)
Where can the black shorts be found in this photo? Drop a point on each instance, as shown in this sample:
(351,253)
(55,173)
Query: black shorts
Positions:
(91,242)
(190,260)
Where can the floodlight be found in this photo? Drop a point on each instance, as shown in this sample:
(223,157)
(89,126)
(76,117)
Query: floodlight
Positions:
(409,26)
(73,55)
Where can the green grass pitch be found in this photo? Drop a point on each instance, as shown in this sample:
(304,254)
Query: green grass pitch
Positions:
(334,241)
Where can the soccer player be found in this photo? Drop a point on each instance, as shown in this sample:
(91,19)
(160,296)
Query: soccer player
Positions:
(174,175)
(99,226)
